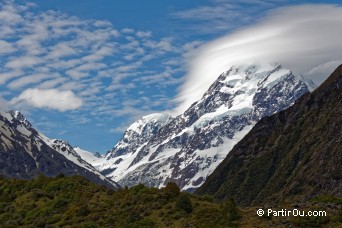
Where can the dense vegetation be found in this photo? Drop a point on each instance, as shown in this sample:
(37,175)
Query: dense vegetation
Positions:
(76,202)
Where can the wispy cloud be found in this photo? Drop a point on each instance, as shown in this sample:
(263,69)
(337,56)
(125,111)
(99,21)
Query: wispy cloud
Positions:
(222,16)
(50,55)
(6,47)
(3,103)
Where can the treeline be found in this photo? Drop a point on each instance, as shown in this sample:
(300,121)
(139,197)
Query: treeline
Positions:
(76,202)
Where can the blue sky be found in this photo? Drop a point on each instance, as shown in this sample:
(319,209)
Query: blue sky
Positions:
(84,70)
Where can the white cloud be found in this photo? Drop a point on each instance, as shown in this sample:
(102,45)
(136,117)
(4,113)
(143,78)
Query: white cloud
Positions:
(323,69)
(22,62)
(76,74)
(100,53)
(61,50)
(298,37)
(144,34)
(48,99)
(127,30)
(64,64)
(51,51)
(72,85)
(102,24)
(164,44)
(35,33)
(90,66)
(133,44)
(6,76)
(26,80)
(6,47)
(120,129)
(3,103)
(221,16)
(129,67)
(51,83)
(9,15)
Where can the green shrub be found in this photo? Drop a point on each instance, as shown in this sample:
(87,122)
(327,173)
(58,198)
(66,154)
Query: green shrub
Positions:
(60,204)
(338,217)
(137,189)
(144,223)
(171,190)
(83,211)
(183,203)
(229,210)
(38,193)
(310,221)
(208,198)
(133,216)
(3,205)
(327,199)
(90,225)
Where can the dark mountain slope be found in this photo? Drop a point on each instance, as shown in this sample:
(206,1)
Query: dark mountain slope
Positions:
(292,155)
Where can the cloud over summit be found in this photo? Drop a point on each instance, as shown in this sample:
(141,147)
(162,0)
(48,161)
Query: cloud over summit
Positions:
(305,39)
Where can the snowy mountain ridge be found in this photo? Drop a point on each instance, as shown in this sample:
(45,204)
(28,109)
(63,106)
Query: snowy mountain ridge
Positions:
(187,148)
(22,145)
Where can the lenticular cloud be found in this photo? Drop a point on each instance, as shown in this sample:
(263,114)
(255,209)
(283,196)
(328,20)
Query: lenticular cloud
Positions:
(305,39)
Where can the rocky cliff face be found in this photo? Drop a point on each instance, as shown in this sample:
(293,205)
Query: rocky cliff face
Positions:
(26,153)
(187,148)
(294,155)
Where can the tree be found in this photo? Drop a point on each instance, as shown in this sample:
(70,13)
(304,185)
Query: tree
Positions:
(171,190)
(183,203)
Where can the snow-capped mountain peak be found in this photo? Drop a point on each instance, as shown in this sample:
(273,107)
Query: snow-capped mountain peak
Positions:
(142,124)
(12,115)
(20,117)
(187,148)
(138,133)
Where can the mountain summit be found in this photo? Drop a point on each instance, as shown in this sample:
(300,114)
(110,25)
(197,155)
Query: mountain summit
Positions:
(291,155)
(185,149)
